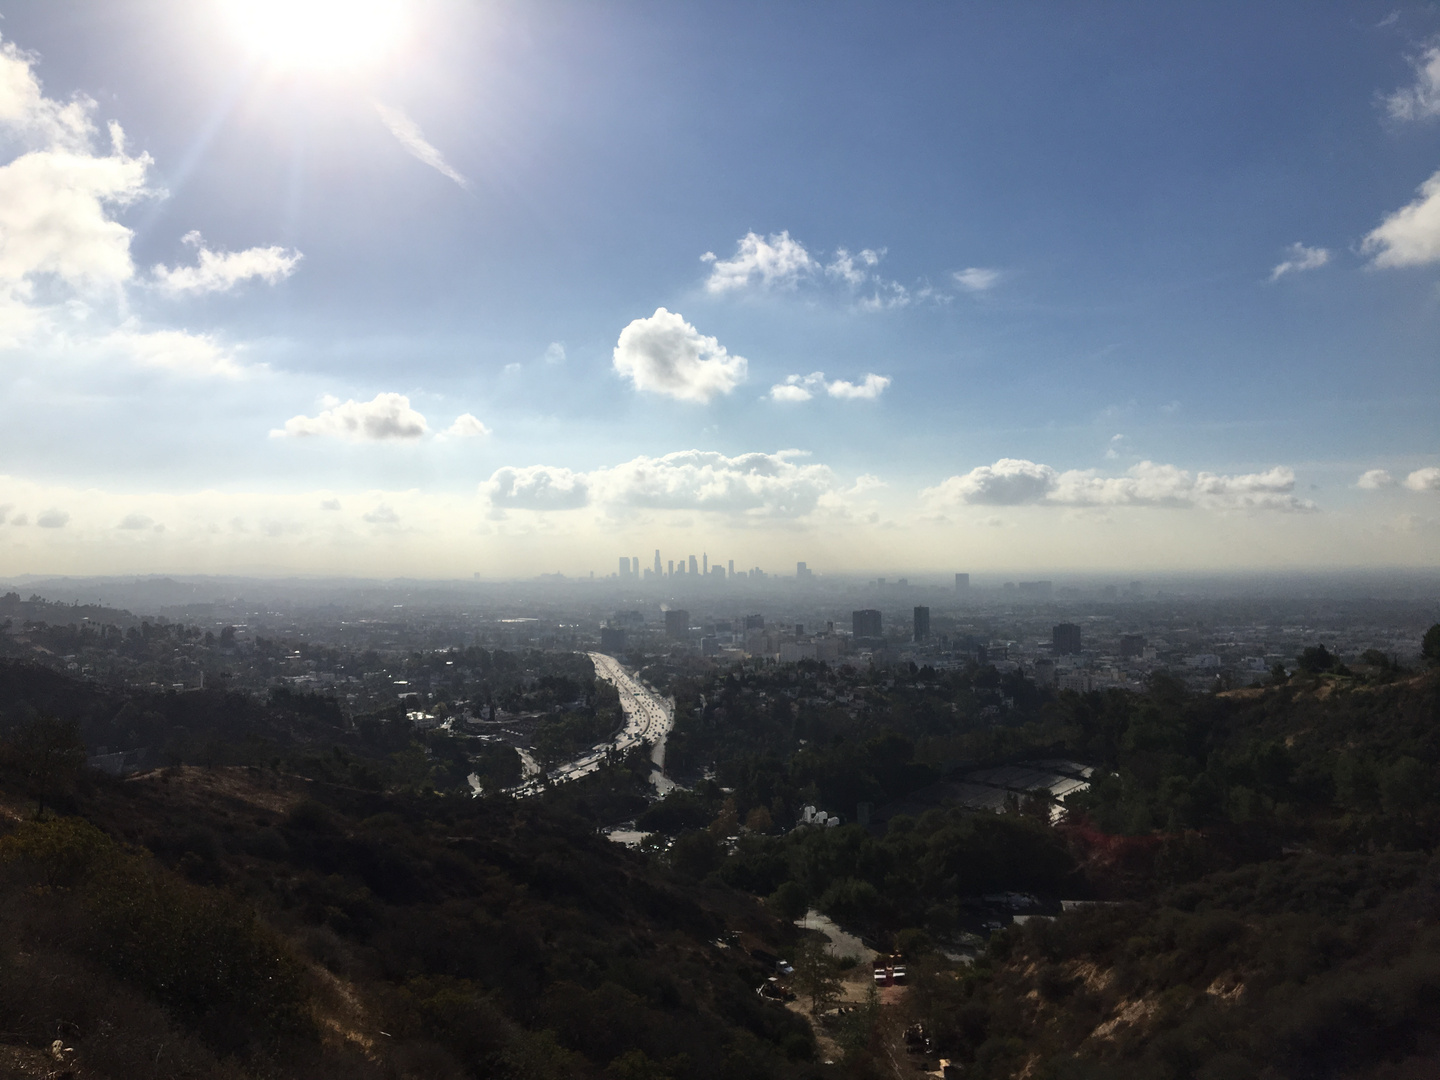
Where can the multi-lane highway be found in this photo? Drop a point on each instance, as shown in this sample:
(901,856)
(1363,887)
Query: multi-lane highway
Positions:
(648,718)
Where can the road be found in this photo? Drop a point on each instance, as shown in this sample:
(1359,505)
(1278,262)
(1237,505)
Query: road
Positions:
(648,718)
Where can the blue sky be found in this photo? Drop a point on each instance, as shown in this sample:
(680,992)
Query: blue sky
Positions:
(1099,287)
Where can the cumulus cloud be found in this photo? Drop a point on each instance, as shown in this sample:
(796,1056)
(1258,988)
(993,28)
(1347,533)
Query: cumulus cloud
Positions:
(385,417)
(222,271)
(135,521)
(27,113)
(1421,100)
(1017,482)
(1299,257)
(871,387)
(555,353)
(1374,480)
(976,278)
(664,354)
(1427,479)
(778,261)
(465,426)
(1411,235)
(536,487)
(413,139)
(52,519)
(797,388)
(55,212)
(757,485)
(1009,482)
(330,504)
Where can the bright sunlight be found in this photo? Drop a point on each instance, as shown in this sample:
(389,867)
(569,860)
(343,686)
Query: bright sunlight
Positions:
(321,35)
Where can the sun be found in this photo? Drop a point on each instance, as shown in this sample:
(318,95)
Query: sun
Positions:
(319,35)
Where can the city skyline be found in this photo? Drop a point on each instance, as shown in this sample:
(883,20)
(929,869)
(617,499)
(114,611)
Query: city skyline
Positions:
(417,289)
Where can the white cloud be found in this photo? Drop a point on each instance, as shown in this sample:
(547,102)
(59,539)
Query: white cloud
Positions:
(854,270)
(177,351)
(753,485)
(1374,480)
(664,354)
(555,353)
(330,504)
(413,139)
(777,262)
(54,216)
(52,519)
(976,278)
(135,521)
(1427,479)
(1009,482)
(385,417)
(381,515)
(747,486)
(465,426)
(797,388)
(1299,257)
(1016,482)
(536,487)
(222,271)
(1411,235)
(31,116)
(1422,100)
(870,388)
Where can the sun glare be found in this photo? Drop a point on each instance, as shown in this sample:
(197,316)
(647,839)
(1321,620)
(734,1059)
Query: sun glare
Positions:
(323,35)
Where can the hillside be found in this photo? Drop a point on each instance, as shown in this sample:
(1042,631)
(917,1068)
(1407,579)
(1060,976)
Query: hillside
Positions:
(243,920)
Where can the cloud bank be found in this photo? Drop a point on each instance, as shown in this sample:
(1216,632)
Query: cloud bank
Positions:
(664,354)
(1018,482)
(747,486)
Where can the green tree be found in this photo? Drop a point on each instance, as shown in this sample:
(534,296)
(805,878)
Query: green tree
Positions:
(789,901)
(817,974)
(1430,646)
(47,754)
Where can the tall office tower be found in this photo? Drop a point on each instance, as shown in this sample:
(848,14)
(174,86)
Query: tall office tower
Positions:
(677,623)
(802,572)
(866,623)
(671,571)
(922,623)
(962,583)
(754,622)
(635,567)
(1065,639)
(730,571)
(657,562)
(624,566)
(694,566)
(704,564)
(1132,645)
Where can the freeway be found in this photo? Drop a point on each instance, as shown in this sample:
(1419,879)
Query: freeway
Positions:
(648,718)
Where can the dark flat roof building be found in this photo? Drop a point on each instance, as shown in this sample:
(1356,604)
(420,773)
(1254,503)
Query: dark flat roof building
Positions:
(866,623)
(922,623)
